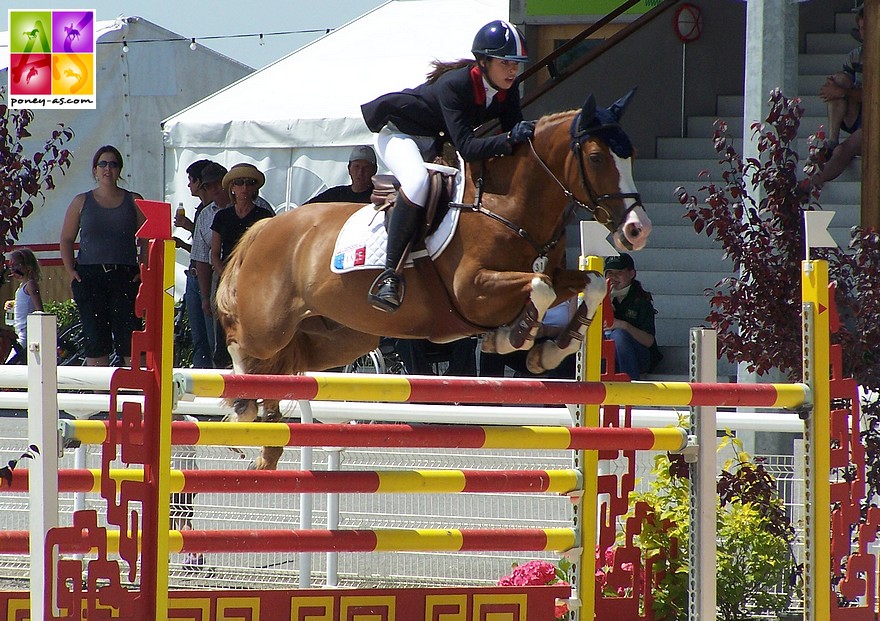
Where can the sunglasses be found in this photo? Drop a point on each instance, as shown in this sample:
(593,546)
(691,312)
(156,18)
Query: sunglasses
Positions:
(106,163)
(245,182)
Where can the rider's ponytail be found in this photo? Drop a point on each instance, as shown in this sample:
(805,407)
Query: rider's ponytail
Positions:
(440,67)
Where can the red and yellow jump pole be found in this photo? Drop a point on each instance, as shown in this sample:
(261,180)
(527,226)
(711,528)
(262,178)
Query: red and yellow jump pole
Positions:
(404,436)
(402,389)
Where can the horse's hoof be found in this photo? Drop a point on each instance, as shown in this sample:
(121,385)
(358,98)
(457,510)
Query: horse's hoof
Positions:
(535,362)
(261,464)
(488,346)
(244,411)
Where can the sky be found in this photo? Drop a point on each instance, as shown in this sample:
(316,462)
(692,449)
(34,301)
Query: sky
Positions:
(192,19)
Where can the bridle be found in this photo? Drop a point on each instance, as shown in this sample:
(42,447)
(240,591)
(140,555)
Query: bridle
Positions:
(599,211)
(596,207)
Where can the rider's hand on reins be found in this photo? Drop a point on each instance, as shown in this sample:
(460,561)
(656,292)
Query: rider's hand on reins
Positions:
(521,132)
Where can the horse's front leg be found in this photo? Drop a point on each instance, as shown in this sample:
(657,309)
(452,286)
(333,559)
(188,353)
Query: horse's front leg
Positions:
(550,354)
(520,334)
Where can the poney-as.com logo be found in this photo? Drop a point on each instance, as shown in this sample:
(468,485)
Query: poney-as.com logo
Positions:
(51,59)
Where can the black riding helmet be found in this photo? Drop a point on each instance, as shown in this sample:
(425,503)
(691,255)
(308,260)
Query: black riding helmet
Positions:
(500,39)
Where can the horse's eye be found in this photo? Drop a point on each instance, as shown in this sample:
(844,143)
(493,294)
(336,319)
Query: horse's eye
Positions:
(595,158)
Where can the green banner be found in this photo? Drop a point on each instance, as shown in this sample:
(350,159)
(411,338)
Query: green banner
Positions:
(546,8)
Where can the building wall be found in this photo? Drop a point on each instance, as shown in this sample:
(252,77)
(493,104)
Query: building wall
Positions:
(654,60)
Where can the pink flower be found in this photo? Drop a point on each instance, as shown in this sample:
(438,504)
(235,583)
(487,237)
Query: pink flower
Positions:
(609,556)
(535,573)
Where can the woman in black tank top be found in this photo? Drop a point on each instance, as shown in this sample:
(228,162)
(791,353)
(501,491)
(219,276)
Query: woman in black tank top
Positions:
(104,277)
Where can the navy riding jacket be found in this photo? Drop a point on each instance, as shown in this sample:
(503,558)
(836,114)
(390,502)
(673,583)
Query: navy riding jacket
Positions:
(450,109)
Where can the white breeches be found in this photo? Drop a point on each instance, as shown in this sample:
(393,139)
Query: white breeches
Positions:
(403,157)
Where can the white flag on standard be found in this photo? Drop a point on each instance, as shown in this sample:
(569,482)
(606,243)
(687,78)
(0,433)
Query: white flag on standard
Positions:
(816,230)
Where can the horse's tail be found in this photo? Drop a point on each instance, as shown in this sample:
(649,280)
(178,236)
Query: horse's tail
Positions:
(227,307)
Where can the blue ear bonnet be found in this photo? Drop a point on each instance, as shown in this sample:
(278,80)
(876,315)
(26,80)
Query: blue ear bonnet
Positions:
(603,124)
(605,127)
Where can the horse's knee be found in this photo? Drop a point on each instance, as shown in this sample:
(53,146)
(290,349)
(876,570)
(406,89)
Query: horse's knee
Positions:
(542,295)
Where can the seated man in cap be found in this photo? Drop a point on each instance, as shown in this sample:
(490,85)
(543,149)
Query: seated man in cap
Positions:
(635,347)
(361,168)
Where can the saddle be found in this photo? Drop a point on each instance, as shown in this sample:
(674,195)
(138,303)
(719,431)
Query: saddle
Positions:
(442,189)
(441,192)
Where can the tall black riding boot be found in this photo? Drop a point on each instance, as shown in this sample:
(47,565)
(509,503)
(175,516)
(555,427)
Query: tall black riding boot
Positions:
(403,224)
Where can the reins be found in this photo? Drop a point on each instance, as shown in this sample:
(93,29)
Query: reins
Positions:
(541,249)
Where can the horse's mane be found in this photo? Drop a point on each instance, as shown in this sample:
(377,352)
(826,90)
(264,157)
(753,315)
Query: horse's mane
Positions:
(554,118)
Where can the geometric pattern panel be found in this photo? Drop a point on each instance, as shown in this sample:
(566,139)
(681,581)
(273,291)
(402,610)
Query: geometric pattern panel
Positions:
(432,604)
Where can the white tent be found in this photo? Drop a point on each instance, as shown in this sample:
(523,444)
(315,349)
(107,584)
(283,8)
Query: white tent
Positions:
(298,118)
(158,75)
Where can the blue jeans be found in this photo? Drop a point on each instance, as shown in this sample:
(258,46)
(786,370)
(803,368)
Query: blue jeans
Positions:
(200,325)
(631,357)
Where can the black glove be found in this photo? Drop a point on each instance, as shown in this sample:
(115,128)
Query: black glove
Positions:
(521,132)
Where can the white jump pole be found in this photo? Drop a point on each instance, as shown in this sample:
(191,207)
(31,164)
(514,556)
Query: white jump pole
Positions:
(703,424)
(334,460)
(305,500)
(43,469)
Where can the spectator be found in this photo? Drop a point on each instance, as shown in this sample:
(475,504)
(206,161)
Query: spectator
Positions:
(216,198)
(105,275)
(194,183)
(24,266)
(843,94)
(243,183)
(361,168)
(411,124)
(635,347)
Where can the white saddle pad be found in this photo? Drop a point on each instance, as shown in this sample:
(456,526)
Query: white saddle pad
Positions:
(361,242)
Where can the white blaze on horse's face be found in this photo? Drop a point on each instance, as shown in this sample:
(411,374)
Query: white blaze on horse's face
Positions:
(634,230)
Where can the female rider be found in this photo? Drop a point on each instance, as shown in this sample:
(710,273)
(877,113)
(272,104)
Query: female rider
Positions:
(412,125)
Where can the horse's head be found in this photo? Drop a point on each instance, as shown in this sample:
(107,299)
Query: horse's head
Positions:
(603,156)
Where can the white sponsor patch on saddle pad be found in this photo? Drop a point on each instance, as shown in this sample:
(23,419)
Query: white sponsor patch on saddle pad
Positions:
(361,242)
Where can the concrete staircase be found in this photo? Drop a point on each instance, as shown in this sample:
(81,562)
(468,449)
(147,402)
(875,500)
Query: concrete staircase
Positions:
(678,264)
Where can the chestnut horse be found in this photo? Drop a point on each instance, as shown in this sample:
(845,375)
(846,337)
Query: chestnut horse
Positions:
(286,312)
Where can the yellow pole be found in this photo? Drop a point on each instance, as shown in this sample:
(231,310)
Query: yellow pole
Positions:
(588,461)
(816,339)
(165,371)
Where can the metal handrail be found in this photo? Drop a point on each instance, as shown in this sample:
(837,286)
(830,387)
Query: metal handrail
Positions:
(557,78)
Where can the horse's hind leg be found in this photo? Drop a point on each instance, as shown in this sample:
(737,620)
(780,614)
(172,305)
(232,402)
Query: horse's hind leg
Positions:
(243,410)
(520,334)
(549,354)
(269,457)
